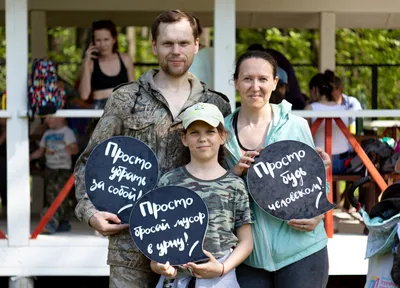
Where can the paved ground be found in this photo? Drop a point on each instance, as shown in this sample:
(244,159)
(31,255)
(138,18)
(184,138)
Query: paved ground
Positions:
(102,282)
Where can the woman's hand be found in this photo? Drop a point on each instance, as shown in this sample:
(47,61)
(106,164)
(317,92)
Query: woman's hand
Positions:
(306,225)
(211,269)
(244,163)
(324,156)
(89,52)
(164,269)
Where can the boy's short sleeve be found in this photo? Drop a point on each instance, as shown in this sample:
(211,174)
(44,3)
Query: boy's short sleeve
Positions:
(162,182)
(42,143)
(243,214)
(69,137)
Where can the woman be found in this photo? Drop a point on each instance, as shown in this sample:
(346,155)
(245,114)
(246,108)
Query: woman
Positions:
(321,88)
(103,67)
(286,254)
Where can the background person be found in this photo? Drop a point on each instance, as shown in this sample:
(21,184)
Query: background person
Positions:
(349,102)
(58,144)
(321,95)
(103,67)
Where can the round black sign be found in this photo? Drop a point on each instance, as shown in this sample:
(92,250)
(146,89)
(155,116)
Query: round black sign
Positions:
(288,181)
(169,224)
(118,172)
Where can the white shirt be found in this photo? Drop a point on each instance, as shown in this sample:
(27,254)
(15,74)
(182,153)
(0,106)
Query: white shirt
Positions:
(55,142)
(339,141)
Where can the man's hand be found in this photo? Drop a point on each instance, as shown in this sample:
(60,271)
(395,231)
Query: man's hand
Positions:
(107,223)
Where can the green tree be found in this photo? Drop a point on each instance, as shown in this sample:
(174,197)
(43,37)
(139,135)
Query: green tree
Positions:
(300,46)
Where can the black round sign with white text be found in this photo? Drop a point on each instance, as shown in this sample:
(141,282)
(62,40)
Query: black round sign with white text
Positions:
(169,224)
(118,172)
(288,181)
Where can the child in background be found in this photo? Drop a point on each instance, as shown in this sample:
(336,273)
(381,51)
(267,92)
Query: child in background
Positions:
(58,144)
(228,240)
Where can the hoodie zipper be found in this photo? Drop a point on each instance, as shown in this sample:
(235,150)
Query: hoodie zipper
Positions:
(231,145)
(264,229)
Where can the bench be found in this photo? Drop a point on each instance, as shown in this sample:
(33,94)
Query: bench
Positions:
(370,192)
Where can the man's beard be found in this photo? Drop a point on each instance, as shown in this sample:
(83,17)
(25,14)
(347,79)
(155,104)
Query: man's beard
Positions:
(177,72)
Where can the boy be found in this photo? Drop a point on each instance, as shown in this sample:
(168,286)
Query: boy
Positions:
(58,144)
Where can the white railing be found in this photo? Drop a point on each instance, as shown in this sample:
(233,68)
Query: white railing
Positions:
(71,113)
(91,113)
(5,114)
(348,113)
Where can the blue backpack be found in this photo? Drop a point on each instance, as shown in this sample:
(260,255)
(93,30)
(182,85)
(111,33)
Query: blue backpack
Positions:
(44,95)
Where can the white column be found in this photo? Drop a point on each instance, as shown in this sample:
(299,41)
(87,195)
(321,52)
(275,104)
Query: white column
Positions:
(327,49)
(38,35)
(224,48)
(18,208)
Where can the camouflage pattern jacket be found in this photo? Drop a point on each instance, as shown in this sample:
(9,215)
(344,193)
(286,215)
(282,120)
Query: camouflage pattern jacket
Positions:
(138,109)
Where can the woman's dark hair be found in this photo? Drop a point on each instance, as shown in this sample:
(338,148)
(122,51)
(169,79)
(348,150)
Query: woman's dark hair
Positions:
(324,83)
(256,47)
(107,25)
(258,55)
(221,151)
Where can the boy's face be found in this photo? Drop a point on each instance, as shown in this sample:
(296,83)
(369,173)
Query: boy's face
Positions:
(203,141)
(55,123)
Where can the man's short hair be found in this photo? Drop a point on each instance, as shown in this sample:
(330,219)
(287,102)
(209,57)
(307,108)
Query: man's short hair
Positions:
(173,16)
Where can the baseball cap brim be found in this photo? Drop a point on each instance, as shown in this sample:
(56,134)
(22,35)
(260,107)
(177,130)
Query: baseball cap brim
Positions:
(211,121)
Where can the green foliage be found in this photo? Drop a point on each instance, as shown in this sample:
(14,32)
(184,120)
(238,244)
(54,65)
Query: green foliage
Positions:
(65,53)
(143,52)
(354,46)
(367,46)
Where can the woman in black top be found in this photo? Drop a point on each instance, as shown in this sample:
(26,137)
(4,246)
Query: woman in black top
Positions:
(103,67)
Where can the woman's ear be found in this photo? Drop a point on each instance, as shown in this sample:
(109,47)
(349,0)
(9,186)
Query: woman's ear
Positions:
(276,80)
(235,82)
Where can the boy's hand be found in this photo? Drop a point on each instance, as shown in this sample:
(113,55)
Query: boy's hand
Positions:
(164,269)
(68,149)
(72,149)
(212,269)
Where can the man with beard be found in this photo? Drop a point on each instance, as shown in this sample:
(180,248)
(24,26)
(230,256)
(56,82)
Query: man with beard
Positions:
(149,109)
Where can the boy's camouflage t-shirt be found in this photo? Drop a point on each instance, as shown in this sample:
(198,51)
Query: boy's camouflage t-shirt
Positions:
(228,206)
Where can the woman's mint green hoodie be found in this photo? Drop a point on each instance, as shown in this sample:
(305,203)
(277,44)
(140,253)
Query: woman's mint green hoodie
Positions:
(276,244)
